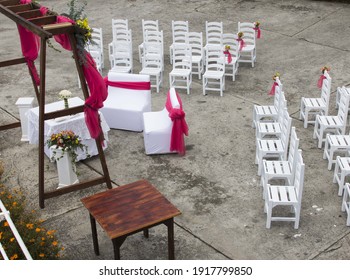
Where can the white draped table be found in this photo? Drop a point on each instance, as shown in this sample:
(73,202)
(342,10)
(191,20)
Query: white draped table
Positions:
(76,123)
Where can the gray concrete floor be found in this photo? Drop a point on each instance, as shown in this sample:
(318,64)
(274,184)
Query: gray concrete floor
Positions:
(216,184)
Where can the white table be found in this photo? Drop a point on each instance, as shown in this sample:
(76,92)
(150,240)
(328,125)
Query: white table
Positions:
(76,123)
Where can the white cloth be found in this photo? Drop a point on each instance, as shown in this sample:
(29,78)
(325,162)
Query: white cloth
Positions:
(76,123)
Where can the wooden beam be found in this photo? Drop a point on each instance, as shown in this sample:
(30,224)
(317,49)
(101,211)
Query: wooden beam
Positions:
(25,23)
(43,20)
(10,126)
(75,187)
(59,28)
(30,14)
(12,62)
(20,8)
(9,2)
(64,112)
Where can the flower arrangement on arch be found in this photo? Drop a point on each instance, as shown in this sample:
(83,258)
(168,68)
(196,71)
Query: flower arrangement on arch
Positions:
(69,142)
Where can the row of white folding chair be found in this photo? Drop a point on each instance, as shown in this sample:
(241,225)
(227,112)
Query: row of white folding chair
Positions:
(97,44)
(147,25)
(179,34)
(316,106)
(121,57)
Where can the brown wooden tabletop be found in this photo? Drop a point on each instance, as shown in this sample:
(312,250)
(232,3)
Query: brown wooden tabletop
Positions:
(129,208)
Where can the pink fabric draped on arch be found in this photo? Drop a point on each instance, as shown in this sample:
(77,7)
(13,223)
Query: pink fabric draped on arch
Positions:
(180,127)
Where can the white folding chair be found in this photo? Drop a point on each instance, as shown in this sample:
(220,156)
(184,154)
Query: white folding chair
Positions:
(195,40)
(181,74)
(335,145)
(147,25)
(213,78)
(213,35)
(316,106)
(179,32)
(268,113)
(290,196)
(332,124)
(346,203)
(97,44)
(231,66)
(281,169)
(152,63)
(248,52)
(341,171)
(119,27)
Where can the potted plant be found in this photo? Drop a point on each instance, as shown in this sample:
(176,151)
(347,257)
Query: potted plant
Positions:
(64,146)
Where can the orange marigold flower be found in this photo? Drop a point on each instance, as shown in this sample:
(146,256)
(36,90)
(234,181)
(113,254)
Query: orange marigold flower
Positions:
(15,256)
(6,224)
(41,255)
(29,226)
(50,232)
(14,203)
(0,235)
(42,243)
(12,239)
(42,238)
(37,230)
(54,243)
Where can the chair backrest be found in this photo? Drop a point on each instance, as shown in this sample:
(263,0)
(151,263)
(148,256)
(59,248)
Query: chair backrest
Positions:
(97,38)
(248,32)
(152,36)
(153,55)
(215,59)
(293,149)
(285,131)
(97,58)
(278,91)
(299,176)
(213,32)
(149,25)
(174,99)
(282,104)
(179,31)
(326,88)
(343,107)
(119,24)
(230,39)
(182,56)
(195,40)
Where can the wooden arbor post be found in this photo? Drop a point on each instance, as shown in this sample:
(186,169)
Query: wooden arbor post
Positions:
(29,16)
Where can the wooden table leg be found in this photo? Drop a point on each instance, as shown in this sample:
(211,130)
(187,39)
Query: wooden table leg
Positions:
(171,247)
(117,243)
(94,235)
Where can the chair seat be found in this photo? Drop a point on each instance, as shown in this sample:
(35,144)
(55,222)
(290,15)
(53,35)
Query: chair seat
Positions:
(196,58)
(280,167)
(283,195)
(268,110)
(314,103)
(333,121)
(150,71)
(121,69)
(213,74)
(268,128)
(233,61)
(248,48)
(180,72)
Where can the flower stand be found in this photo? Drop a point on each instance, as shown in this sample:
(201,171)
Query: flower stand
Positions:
(65,168)
(24,104)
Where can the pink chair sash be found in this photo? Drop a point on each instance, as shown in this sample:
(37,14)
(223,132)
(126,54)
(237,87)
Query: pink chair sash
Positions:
(229,56)
(180,128)
(241,43)
(273,88)
(258,32)
(129,85)
(320,81)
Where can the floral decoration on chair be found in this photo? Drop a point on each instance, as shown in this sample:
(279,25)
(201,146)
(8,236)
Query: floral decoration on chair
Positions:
(274,78)
(240,40)
(227,52)
(322,77)
(257,29)
(69,142)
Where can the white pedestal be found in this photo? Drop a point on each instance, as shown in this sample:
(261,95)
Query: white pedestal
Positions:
(24,104)
(65,168)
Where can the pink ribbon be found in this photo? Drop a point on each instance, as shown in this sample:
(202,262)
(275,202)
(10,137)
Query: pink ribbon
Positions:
(129,85)
(180,128)
(320,81)
(258,32)
(229,56)
(273,89)
(241,43)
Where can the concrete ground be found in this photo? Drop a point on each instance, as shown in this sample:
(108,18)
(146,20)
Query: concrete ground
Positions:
(215,184)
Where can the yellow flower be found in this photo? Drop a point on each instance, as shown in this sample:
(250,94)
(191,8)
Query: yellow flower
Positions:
(14,203)
(41,255)
(50,232)
(29,226)
(12,239)
(240,34)
(37,230)
(42,238)
(15,256)
(6,224)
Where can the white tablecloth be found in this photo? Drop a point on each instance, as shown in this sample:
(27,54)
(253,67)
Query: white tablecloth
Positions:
(76,123)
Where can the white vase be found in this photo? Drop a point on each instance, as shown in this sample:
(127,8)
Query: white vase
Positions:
(65,168)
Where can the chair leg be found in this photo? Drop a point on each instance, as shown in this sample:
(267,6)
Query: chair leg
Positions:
(297,217)
(320,138)
(204,79)
(330,159)
(268,214)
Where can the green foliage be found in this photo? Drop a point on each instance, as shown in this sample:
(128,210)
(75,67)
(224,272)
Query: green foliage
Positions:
(40,242)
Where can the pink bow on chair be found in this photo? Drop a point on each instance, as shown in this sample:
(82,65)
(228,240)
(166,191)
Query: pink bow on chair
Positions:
(180,128)
(273,89)
(320,81)
(241,43)
(229,56)
(258,32)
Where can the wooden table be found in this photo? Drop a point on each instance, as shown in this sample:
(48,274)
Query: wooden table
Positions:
(129,209)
